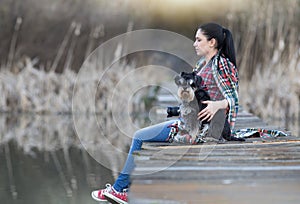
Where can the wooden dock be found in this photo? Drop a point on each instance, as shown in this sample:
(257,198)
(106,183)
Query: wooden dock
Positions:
(256,171)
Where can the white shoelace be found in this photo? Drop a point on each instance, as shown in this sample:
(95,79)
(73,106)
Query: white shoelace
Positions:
(108,187)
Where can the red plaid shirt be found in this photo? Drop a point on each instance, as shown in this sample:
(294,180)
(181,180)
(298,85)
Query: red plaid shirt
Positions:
(221,73)
(209,83)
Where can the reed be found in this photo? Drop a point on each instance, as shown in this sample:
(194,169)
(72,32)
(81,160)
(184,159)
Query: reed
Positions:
(267,41)
(267,44)
(35,90)
(48,93)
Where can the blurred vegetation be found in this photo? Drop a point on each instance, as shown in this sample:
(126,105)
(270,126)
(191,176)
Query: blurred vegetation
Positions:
(54,36)
(268,54)
(47,29)
(50,30)
(47,24)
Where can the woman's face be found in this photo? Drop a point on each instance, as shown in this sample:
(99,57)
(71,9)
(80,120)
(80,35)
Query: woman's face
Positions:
(202,46)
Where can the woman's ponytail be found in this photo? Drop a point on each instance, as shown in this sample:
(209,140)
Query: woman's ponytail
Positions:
(228,46)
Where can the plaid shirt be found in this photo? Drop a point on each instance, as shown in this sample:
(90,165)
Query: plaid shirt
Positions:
(209,84)
(225,77)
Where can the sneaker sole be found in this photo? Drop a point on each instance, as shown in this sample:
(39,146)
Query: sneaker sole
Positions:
(112,199)
(94,195)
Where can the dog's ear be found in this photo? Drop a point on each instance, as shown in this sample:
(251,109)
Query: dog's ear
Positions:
(197,81)
(177,79)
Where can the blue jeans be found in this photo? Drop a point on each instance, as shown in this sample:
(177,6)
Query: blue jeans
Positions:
(154,133)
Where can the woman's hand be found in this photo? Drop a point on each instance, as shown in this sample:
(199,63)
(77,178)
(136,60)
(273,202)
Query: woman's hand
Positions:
(211,109)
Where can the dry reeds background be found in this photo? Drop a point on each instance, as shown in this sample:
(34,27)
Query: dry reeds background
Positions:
(36,91)
(269,60)
(41,95)
(267,42)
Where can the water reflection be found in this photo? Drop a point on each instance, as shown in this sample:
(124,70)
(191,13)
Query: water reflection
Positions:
(43,161)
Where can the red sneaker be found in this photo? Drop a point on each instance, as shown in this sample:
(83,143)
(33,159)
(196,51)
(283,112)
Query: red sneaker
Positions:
(116,197)
(99,194)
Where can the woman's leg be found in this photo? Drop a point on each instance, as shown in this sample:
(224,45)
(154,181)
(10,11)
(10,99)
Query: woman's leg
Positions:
(155,133)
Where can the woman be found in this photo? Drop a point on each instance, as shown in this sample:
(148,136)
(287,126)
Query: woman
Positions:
(217,67)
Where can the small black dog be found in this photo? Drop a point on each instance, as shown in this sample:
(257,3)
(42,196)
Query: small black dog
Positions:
(189,108)
(189,89)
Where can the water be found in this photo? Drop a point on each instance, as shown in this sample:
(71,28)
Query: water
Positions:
(43,161)
(62,176)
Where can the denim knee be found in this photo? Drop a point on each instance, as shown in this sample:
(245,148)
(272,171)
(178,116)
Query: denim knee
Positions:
(136,143)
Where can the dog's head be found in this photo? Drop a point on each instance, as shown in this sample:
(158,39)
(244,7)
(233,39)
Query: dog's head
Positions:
(187,84)
(193,79)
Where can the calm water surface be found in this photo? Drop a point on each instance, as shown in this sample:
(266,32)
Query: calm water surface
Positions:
(42,160)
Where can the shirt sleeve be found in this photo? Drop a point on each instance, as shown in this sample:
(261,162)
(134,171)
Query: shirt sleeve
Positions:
(226,77)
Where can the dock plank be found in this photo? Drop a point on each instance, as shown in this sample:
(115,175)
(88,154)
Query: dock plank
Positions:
(258,170)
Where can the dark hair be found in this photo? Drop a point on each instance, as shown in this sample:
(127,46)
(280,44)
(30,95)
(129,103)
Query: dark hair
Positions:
(223,37)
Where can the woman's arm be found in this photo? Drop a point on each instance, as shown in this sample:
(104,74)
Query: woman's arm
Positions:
(212,107)
(226,77)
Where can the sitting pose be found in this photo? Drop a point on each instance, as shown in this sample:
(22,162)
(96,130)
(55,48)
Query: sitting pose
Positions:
(217,67)
(188,129)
